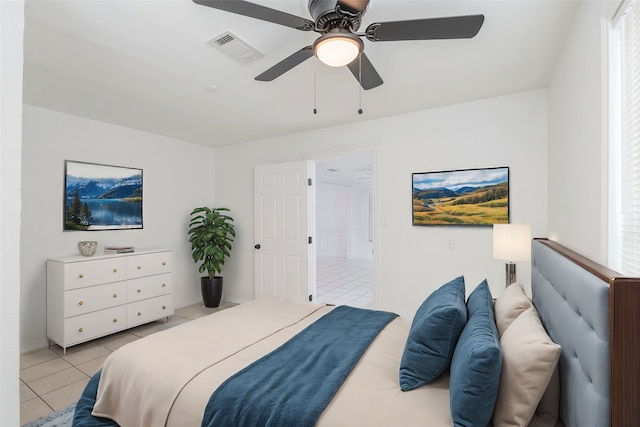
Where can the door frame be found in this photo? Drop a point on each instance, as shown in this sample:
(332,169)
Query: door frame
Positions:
(372,149)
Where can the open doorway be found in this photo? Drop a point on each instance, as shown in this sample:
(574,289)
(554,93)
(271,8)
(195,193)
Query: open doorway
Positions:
(344,213)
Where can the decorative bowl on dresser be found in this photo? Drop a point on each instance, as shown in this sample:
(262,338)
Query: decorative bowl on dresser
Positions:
(88,298)
(87,247)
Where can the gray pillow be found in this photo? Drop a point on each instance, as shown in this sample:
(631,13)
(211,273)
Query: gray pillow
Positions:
(529,361)
(510,304)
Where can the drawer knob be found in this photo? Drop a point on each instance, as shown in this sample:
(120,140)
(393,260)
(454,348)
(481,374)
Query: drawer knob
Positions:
(81,276)
(139,314)
(80,303)
(115,295)
(115,320)
(80,330)
(164,263)
(139,290)
(139,267)
(164,307)
(115,270)
(164,285)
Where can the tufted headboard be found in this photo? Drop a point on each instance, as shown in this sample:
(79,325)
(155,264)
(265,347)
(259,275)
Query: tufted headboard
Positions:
(592,313)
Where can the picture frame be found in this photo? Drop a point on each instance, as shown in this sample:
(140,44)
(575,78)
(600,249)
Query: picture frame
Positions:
(101,197)
(467,197)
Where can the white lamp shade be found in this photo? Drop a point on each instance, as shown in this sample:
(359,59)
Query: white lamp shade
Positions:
(512,242)
(337,51)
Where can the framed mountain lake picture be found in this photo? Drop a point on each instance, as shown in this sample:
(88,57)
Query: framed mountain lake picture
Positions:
(101,197)
(461,197)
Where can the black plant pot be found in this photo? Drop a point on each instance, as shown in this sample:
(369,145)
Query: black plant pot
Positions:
(211,290)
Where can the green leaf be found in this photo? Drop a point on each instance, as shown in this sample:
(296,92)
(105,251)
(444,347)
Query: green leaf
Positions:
(203,209)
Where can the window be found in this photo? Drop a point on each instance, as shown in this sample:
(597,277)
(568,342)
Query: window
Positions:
(624,153)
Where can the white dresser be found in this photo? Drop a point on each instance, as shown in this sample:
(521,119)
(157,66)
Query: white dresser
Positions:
(89,297)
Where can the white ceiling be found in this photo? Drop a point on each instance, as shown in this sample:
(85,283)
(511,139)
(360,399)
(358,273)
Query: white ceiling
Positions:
(146,64)
(351,171)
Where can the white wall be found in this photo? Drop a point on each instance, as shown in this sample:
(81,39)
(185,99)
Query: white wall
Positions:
(411,261)
(342,221)
(361,245)
(577,110)
(11,35)
(333,224)
(177,177)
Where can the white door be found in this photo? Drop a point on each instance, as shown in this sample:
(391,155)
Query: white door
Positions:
(284,213)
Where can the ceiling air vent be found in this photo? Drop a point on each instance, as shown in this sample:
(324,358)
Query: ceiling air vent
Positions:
(234,47)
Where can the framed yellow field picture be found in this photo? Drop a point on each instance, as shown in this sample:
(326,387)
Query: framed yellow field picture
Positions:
(461,197)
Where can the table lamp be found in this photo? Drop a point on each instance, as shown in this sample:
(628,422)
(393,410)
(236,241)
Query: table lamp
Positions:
(511,243)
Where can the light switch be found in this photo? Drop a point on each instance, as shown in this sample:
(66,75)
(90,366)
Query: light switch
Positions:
(450,243)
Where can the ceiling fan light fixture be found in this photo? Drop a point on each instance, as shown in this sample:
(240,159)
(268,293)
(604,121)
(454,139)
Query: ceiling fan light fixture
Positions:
(337,49)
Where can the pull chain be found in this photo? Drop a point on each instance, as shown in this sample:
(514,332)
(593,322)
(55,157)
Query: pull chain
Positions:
(360,83)
(315,85)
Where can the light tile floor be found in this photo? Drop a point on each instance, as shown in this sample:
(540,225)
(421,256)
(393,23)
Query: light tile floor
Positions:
(51,380)
(343,281)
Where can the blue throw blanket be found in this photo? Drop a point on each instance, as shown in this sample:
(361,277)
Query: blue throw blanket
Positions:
(292,385)
(82,417)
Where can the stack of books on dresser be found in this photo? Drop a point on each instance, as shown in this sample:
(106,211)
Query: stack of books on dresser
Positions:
(118,249)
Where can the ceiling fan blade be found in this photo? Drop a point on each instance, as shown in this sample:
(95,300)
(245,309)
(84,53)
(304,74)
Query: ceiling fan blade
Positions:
(454,27)
(353,6)
(370,77)
(257,11)
(286,64)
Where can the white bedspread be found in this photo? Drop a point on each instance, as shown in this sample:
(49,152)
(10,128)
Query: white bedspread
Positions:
(167,378)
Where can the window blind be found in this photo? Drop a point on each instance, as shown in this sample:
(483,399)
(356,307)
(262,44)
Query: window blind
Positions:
(629,218)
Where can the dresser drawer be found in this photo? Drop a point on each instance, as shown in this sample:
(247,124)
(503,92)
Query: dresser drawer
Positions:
(92,325)
(94,298)
(148,264)
(149,287)
(149,310)
(95,272)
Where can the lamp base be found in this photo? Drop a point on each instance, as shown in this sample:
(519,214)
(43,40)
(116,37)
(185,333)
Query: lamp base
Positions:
(510,272)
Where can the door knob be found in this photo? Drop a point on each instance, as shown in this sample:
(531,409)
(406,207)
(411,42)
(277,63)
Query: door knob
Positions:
(257,246)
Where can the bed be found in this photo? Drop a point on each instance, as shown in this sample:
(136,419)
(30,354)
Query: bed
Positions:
(212,365)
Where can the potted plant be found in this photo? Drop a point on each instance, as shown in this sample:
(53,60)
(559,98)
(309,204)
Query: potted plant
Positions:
(211,232)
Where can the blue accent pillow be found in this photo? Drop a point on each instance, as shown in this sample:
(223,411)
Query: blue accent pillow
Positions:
(476,364)
(434,333)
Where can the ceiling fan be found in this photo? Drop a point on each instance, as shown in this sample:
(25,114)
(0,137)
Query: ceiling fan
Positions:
(337,21)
